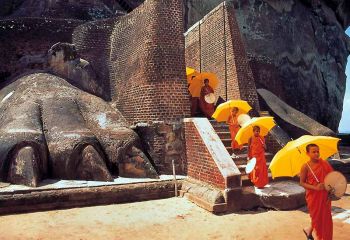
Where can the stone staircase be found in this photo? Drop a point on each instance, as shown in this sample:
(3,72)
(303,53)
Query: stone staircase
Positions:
(241,160)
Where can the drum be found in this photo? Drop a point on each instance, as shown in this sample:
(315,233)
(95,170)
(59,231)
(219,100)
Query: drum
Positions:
(335,184)
(209,98)
(250,165)
(243,118)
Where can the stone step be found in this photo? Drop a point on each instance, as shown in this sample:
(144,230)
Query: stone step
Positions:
(246,181)
(242,158)
(224,134)
(281,195)
(242,167)
(221,129)
(226,141)
(264,114)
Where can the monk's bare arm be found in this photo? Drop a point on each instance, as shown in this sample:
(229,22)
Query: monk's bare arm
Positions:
(303,183)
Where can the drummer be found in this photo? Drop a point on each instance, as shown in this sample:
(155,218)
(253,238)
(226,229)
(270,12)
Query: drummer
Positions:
(207,108)
(312,177)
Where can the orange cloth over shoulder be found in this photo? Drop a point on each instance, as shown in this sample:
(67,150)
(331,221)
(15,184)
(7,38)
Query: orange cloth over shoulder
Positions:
(318,203)
(234,127)
(207,108)
(258,176)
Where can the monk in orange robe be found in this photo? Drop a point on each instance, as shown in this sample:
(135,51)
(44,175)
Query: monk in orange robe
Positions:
(234,127)
(312,177)
(207,108)
(256,148)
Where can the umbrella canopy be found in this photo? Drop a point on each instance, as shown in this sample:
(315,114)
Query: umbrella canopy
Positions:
(289,160)
(223,111)
(190,72)
(246,131)
(198,82)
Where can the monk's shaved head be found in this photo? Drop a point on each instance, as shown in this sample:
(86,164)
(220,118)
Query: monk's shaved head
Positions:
(309,146)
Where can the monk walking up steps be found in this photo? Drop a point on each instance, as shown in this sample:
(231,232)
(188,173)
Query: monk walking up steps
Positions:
(234,127)
(312,177)
(256,148)
(207,108)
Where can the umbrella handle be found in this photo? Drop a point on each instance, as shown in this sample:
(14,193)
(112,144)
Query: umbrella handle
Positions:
(313,173)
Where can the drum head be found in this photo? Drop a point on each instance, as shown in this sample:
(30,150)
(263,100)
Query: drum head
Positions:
(209,98)
(335,184)
(243,118)
(250,165)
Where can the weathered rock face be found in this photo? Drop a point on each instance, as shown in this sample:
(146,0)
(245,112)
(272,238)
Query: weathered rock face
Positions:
(24,43)
(296,49)
(82,10)
(64,61)
(51,129)
(172,149)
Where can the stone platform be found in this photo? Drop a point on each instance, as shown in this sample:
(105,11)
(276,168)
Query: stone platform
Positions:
(53,194)
(283,195)
(279,195)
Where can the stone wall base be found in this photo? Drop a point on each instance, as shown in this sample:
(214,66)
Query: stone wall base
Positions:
(82,197)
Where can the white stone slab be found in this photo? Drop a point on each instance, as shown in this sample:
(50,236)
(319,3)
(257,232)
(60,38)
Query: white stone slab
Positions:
(51,184)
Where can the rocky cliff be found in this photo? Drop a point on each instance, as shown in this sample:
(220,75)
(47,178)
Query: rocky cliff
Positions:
(82,10)
(296,49)
(28,28)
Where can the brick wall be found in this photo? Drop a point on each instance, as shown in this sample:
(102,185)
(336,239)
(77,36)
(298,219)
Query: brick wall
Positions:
(92,41)
(207,159)
(24,44)
(147,63)
(214,44)
(199,161)
(140,58)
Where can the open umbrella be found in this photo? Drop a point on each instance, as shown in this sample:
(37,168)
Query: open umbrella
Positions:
(190,73)
(289,160)
(198,82)
(246,131)
(223,111)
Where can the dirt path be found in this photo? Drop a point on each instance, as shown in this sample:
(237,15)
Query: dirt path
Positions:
(174,218)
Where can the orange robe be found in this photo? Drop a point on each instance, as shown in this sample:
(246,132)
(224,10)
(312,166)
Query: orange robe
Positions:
(207,108)
(258,176)
(318,203)
(234,127)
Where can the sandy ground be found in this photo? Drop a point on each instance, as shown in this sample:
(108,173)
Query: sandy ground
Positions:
(174,218)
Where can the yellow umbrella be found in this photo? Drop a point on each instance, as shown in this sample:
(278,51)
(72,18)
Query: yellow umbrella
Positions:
(223,111)
(289,160)
(198,82)
(190,73)
(246,131)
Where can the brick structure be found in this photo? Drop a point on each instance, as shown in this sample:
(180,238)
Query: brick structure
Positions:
(140,57)
(148,77)
(140,62)
(207,158)
(214,44)
(92,41)
(24,44)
